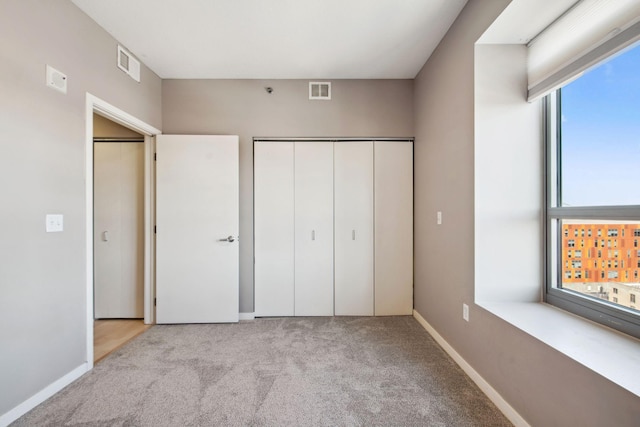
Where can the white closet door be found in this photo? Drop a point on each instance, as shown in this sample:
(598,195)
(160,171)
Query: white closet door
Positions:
(314,228)
(274,228)
(353,163)
(393,227)
(119,229)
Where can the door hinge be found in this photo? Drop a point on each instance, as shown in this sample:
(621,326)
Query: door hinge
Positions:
(155,156)
(154,230)
(154,302)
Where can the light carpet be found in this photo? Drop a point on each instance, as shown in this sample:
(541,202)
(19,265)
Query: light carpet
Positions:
(331,371)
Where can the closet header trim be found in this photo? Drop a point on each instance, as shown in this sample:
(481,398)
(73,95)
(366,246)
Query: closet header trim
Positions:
(268,139)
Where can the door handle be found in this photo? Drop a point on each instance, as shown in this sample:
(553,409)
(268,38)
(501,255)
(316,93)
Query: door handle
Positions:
(228,239)
(105,236)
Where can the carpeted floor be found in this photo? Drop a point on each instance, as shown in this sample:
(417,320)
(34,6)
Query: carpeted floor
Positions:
(339,371)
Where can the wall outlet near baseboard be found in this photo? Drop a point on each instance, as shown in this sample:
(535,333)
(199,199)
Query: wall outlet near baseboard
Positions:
(465,312)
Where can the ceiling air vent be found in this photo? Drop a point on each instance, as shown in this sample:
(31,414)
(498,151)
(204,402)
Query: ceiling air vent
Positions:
(128,64)
(320,90)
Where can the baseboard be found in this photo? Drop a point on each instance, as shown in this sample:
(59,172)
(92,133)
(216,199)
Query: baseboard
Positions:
(508,411)
(42,395)
(247,316)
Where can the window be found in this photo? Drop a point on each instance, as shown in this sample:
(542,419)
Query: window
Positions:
(592,127)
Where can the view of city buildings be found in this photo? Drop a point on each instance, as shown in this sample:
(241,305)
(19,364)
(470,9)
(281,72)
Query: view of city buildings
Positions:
(602,260)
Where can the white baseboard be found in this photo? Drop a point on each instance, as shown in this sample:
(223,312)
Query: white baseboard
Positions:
(247,316)
(508,411)
(42,395)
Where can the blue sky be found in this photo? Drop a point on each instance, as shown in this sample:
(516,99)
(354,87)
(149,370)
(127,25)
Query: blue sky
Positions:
(601,134)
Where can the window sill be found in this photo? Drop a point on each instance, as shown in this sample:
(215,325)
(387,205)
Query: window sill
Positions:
(611,354)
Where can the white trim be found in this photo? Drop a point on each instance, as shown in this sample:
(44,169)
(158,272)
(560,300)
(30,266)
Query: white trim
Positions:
(103,108)
(115,114)
(42,395)
(247,316)
(508,411)
(149,235)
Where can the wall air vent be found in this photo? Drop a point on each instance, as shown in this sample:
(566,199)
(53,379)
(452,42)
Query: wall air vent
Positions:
(320,90)
(128,64)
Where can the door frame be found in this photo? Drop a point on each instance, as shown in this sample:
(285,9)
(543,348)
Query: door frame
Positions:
(115,114)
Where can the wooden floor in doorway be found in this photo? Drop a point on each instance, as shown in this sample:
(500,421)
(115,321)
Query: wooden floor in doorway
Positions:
(111,334)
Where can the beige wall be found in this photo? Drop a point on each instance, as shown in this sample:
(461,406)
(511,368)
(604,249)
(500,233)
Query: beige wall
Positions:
(105,128)
(243,107)
(545,387)
(43,310)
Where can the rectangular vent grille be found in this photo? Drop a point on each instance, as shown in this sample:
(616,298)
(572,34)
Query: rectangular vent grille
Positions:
(128,64)
(320,90)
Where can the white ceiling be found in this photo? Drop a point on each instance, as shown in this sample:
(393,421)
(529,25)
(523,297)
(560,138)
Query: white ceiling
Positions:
(278,39)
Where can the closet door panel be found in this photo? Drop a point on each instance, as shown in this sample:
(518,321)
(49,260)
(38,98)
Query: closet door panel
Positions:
(274,228)
(353,197)
(314,228)
(393,227)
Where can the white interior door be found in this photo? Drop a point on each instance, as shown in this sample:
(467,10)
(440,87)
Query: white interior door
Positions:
(393,227)
(197,219)
(314,228)
(118,230)
(274,228)
(353,163)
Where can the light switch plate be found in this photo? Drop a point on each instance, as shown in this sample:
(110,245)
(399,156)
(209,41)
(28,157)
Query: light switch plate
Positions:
(55,223)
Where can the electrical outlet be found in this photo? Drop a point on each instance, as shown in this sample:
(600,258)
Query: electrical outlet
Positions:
(465,312)
(439,218)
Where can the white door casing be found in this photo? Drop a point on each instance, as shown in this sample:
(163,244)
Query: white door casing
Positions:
(119,229)
(197,219)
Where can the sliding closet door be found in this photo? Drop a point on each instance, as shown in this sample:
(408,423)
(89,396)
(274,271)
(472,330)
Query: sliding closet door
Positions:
(393,227)
(353,163)
(314,228)
(274,228)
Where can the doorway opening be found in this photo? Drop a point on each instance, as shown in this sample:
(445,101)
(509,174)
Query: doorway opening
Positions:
(118,227)
(96,112)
